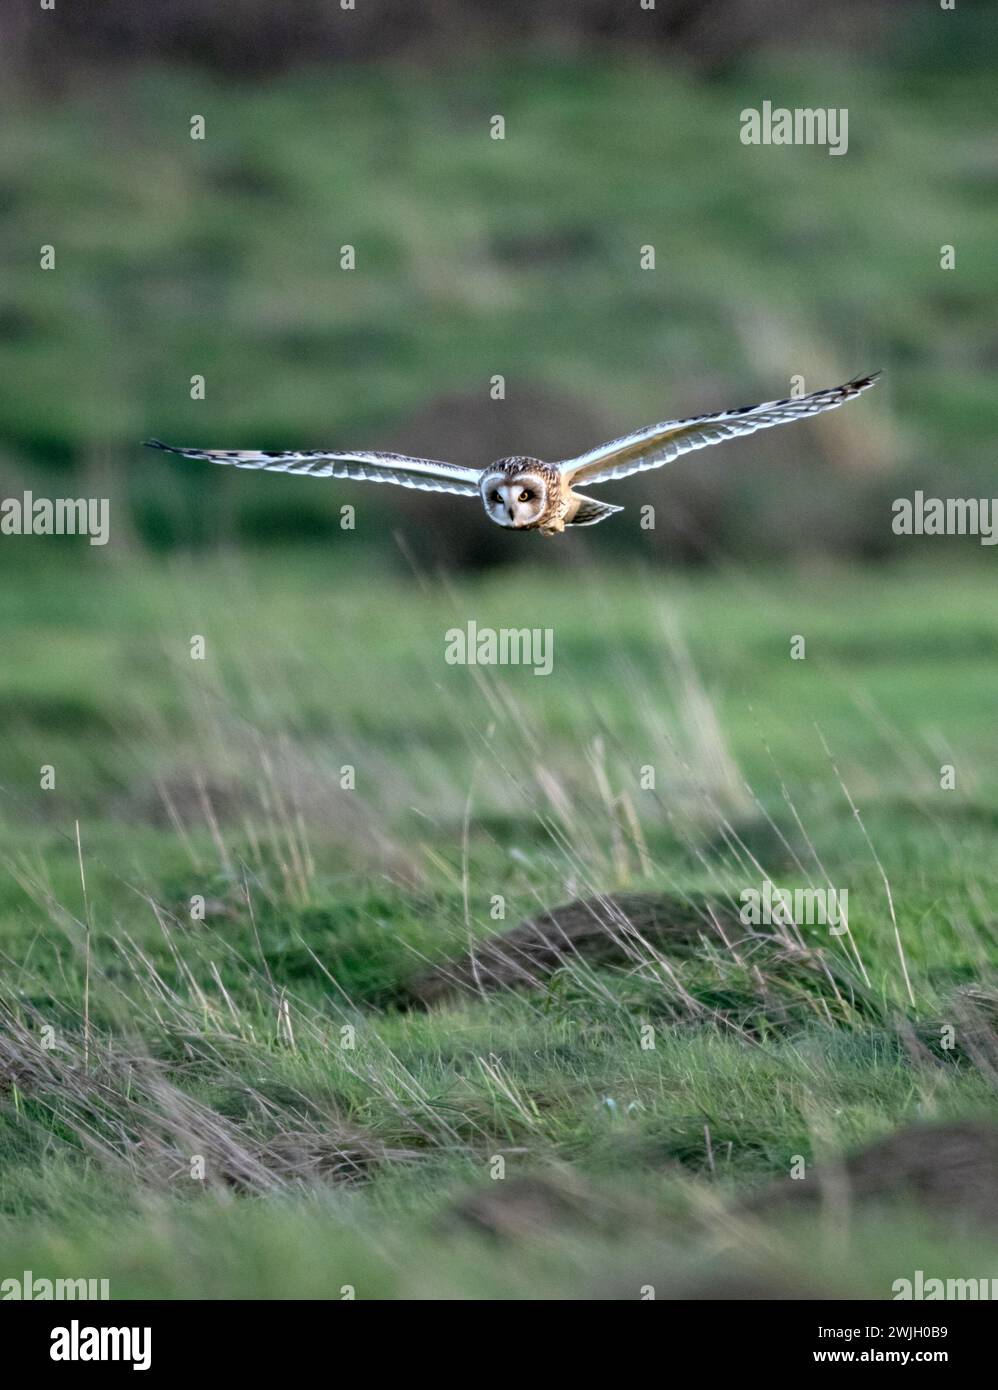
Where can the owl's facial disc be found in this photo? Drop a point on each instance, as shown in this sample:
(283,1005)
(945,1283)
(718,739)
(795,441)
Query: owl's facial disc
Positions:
(514,500)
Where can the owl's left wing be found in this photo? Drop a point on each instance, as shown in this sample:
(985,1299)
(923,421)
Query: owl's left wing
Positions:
(429,475)
(659,444)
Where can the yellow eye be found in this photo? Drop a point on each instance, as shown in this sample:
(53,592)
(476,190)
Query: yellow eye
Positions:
(524,496)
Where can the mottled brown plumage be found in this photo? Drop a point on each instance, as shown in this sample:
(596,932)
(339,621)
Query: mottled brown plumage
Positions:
(527,494)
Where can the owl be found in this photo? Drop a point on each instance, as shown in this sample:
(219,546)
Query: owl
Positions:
(527,494)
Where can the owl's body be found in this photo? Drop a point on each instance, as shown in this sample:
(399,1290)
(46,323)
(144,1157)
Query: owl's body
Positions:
(525,494)
(528,494)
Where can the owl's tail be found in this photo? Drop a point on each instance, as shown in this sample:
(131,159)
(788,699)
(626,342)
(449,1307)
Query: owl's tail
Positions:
(591,512)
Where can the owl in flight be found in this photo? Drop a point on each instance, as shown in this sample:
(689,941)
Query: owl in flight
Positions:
(526,494)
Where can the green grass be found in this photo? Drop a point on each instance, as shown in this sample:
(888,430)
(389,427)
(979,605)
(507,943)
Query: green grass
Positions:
(479,257)
(331,1165)
(227,1040)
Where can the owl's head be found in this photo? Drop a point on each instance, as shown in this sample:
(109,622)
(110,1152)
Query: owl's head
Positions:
(515,493)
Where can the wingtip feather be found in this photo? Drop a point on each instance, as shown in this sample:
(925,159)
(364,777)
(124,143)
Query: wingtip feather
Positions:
(860,383)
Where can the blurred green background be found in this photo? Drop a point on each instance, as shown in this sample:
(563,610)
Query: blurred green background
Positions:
(477,257)
(176,778)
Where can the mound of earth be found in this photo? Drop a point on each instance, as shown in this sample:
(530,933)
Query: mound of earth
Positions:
(600,931)
(528,1206)
(948,1170)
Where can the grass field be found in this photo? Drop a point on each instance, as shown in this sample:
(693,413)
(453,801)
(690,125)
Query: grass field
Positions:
(478,257)
(335,1158)
(222,879)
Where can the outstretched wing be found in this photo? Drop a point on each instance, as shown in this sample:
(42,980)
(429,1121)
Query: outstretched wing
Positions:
(658,444)
(429,475)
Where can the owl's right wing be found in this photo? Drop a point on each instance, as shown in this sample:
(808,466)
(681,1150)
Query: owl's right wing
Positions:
(429,475)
